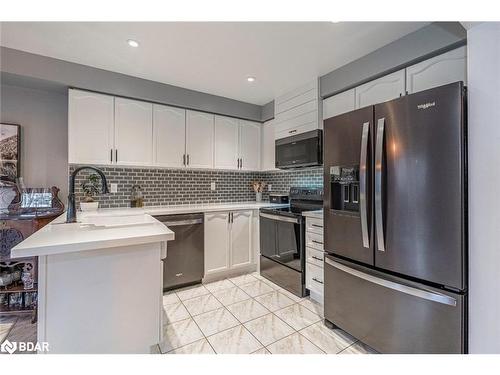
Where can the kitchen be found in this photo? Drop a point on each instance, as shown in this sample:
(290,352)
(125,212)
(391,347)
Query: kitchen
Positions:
(337,217)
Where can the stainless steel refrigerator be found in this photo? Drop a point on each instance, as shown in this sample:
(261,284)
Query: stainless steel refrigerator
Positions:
(395,203)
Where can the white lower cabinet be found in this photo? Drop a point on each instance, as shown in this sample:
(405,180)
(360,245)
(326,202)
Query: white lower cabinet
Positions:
(314,258)
(228,242)
(315,281)
(241,239)
(216,242)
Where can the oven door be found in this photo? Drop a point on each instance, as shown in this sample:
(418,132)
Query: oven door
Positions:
(281,240)
(300,150)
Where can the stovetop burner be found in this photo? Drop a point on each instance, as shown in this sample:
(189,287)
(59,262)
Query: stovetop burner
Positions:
(301,199)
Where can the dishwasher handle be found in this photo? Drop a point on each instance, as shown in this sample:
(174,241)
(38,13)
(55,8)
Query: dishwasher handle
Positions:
(176,223)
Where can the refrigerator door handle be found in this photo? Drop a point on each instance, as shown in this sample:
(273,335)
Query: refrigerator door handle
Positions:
(420,293)
(362,184)
(379,154)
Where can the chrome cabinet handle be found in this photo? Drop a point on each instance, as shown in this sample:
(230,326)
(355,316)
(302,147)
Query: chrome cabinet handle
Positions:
(420,293)
(187,159)
(318,242)
(315,257)
(379,159)
(292,131)
(316,225)
(184,159)
(111,152)
(116,156)
(318,281)
(362,184)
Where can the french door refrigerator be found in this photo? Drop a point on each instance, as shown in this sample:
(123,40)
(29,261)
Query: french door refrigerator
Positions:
(395,222)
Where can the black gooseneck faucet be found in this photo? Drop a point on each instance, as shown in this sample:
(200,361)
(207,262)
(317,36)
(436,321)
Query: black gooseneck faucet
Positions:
(71,213)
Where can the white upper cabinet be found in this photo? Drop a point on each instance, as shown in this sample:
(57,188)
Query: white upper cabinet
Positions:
(440,70)
(90,127)
(338,104)
(199,139)
(249,145)
(241,250)
(386,88)
(169,136)
(267,162)
(133,132)
(226,142)
(298,111)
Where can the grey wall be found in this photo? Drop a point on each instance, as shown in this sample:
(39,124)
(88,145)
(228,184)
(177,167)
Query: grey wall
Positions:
(267,111)
(43,117)
(422,44)
(484,182)
(66,74)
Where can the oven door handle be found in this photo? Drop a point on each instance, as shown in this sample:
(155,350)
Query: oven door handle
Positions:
(280,218)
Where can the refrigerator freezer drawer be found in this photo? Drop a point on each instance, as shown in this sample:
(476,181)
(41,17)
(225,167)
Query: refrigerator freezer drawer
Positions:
(393,315)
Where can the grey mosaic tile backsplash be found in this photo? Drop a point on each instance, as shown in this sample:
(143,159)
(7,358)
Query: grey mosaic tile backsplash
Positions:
(162,187)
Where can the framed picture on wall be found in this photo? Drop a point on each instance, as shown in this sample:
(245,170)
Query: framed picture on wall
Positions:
(10,149)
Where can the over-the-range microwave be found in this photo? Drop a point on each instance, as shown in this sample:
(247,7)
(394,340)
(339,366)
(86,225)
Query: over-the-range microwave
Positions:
(301,150)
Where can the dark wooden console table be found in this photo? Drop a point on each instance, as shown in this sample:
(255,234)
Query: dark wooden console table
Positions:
(16,225)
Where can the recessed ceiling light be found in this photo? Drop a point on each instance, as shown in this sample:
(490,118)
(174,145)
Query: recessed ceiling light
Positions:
(251,79)
(133,43)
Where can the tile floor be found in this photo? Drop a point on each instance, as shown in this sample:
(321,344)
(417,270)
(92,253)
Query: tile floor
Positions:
(248,314)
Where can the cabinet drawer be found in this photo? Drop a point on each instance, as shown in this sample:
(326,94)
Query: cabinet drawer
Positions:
(314,225)
(296,130)
(314,256)
(314,278)
(314,240)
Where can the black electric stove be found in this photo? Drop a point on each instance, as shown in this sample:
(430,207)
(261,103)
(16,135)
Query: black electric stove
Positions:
(282,239)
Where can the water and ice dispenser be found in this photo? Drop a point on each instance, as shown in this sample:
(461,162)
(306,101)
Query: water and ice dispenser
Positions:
(344,182)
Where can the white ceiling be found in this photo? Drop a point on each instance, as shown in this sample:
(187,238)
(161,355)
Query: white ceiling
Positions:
(211,57)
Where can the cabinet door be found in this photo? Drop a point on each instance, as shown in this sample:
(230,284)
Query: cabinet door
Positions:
(338,104)
(226,142)
(216,242)
(241,235)
(90,127)
(386,88)
(133,132)
(440,70)
(200,139)
(268,146)
(250,145)
(169,136)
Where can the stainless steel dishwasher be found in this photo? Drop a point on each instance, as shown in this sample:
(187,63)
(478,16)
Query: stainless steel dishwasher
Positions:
(184,264)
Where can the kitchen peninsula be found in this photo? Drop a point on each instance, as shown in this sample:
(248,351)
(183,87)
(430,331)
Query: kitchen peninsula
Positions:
(100,282)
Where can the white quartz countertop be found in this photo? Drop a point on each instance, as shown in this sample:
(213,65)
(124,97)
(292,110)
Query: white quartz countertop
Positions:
(192,208)
(108,228)
(315,214)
